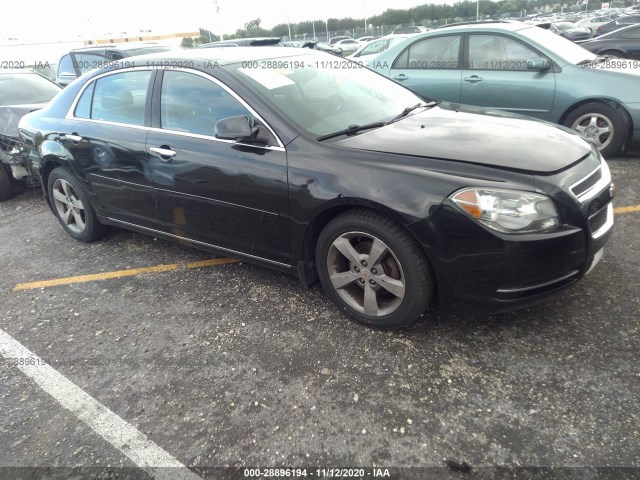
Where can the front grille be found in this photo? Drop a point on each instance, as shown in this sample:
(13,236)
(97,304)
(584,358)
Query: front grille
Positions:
(597,220)
(586,183)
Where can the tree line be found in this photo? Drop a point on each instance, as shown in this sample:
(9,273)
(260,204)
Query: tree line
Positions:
(427,15)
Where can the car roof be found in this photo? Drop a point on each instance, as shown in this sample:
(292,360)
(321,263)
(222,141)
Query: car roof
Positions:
(119,46)
(224,56)
(510,25)
(241,40)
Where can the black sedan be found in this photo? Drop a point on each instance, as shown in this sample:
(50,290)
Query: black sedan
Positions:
(291,159)
(616,25)
(622,43)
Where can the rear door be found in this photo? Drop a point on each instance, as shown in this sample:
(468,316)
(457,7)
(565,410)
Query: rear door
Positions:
(106,135)
(431,67)
(496,76)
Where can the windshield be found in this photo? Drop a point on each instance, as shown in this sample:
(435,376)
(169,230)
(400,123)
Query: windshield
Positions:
(557,46)
(25,88)
(322,95)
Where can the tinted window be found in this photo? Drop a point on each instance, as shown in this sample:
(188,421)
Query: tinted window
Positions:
(83,107)
(191,103)
(121,98)
(438,52)
(632,33)
(88,61)
(65,67)
(496,52)
(25,88)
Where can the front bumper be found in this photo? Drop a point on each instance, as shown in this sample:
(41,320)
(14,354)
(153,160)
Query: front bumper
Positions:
(476,264)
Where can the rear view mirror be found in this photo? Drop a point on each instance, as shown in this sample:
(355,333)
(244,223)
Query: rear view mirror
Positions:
(538,63)
(239,129)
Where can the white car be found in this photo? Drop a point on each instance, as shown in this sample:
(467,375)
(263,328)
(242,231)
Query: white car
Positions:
(591,23)
(372,49)
(347,45)
(364,40)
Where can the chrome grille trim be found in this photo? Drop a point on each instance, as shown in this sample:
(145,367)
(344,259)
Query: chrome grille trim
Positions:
(607,224)
(597,187)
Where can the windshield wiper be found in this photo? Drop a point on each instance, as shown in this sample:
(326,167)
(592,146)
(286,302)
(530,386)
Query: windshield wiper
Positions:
(408,110)
(352,130)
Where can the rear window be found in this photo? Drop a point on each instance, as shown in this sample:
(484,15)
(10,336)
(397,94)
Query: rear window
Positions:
(25,88)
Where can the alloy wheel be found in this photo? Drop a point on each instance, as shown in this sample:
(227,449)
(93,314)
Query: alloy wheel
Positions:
(596,128)
(69,206)
(366,274)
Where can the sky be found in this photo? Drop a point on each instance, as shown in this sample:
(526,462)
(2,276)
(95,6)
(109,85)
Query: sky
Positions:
(65,20)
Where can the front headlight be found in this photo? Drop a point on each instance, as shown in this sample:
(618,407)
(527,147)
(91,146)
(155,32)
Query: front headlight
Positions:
(509,211)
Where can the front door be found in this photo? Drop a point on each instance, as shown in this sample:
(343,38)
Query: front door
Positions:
(213,191)
(496,76)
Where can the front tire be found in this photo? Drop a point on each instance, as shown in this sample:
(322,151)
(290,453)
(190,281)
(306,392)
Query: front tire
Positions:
(373,270)
(71,205)
(601,124)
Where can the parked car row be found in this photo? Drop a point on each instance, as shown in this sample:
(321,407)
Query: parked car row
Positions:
(524,70)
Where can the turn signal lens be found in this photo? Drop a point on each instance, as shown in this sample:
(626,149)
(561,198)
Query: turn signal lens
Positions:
(509,211)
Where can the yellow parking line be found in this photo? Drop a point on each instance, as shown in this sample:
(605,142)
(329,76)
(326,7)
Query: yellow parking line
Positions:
(212,262)
(119,273)
(633,208)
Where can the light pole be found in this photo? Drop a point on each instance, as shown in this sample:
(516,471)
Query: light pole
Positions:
(477,10)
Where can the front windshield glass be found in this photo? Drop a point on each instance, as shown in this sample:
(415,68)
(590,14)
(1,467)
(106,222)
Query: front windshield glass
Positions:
(557,46)
(25,89)
(322,95)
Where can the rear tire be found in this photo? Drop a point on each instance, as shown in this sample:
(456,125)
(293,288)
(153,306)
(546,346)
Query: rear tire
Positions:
(601,124)
(6,189)
(70,203)
(373,270)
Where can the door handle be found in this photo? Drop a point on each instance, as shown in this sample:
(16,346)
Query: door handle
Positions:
(74,137)
(401,78)
(166,154)
(473,79)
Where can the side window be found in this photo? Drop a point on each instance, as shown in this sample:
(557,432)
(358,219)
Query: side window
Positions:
(121,97)
(88,61)
(631,33)
(65,66)
(431,53)
(496,52)
(83,107)
(193,104)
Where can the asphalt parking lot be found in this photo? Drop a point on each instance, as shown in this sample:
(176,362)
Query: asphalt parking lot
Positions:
(209,363)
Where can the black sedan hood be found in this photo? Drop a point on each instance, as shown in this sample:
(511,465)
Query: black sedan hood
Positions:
(11,115)
(476,135)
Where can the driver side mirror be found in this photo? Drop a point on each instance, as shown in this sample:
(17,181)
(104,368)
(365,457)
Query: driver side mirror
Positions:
(239,129)
(538,63)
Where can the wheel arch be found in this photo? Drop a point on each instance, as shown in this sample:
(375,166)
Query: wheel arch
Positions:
(306,264)
(626,117)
